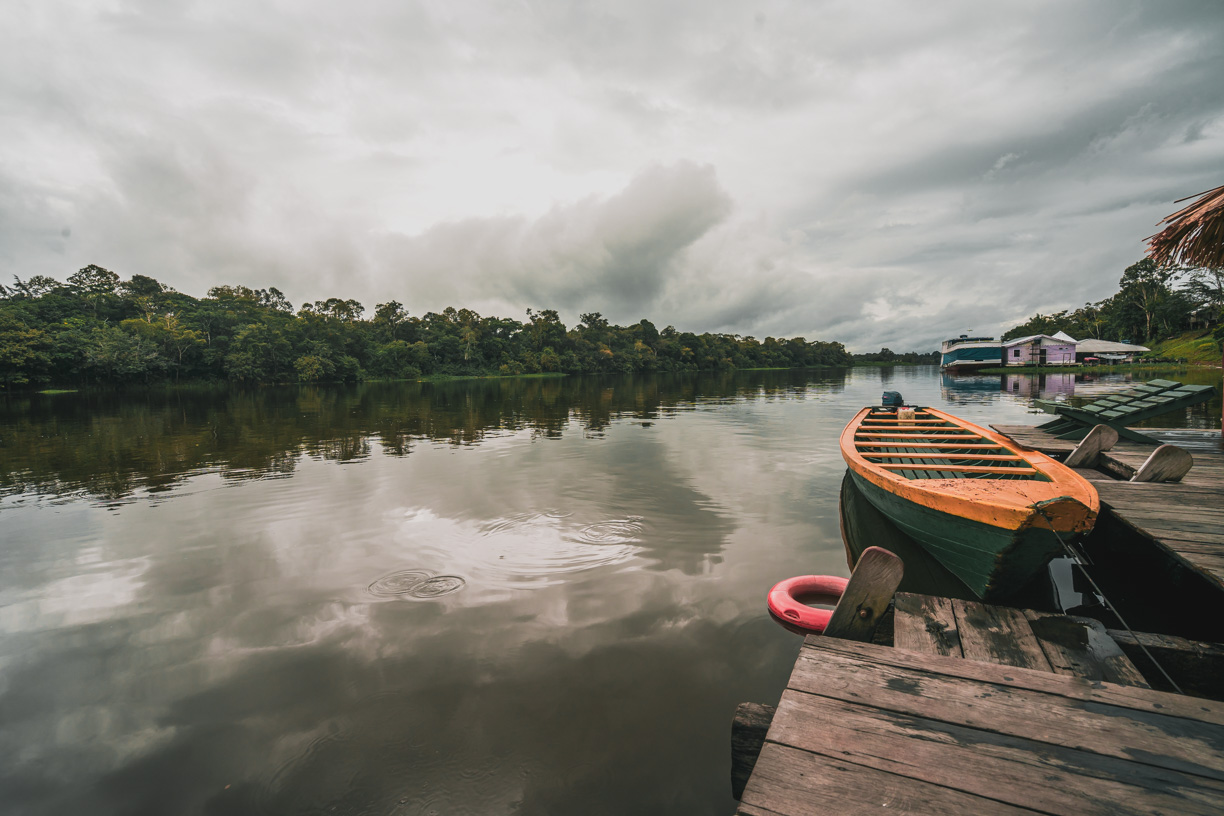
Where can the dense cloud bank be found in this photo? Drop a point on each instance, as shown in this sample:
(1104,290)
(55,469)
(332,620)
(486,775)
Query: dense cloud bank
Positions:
(885,175)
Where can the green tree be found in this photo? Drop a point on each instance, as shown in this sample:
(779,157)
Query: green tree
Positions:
(1144,288)
(95,284)
(24,353)
(113,355)
(259,353)
(1206,287)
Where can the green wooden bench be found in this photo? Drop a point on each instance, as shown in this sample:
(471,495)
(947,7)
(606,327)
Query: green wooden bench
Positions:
(1119,410)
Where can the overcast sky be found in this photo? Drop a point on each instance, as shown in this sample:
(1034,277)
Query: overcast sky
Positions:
(883,173)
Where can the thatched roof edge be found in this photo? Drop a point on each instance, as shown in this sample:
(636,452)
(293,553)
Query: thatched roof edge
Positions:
(1194,235)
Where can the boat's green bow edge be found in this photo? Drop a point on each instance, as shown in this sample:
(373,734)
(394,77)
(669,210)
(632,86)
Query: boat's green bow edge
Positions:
(992,562)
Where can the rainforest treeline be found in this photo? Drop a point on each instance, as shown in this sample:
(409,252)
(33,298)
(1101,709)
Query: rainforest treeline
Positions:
(1152,303)
(97,329)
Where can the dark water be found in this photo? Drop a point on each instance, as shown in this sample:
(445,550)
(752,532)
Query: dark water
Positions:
(518,596)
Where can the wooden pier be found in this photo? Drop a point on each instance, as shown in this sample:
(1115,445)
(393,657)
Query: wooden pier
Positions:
(1185,519)
(983,710)
(967,708)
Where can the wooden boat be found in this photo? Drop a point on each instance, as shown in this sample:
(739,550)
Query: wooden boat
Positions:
(985,508)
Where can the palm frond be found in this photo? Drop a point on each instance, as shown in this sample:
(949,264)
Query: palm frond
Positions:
(1194,235)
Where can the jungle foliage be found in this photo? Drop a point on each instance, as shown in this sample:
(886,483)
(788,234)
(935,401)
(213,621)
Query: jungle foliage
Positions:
(98,329)
(1152,303)
(887,356)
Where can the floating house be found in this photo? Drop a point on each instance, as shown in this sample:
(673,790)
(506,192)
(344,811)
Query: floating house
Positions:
(1040,350)
(966,353)
(1040,386)
(1107,351)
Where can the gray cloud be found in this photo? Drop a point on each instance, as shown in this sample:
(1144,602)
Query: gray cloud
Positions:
(877,176)
(614,254)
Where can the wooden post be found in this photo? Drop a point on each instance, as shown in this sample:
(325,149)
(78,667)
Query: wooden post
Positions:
(871,589)
(748,731)
(872,586)
(1100,439)
(1168,463)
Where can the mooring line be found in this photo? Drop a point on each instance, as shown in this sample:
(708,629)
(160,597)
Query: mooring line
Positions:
(1076,557)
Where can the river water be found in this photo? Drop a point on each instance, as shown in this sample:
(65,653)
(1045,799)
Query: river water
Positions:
(537,596)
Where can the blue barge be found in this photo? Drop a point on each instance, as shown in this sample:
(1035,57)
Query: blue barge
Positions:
(967,353)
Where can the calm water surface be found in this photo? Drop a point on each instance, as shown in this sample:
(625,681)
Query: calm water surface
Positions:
(517,596)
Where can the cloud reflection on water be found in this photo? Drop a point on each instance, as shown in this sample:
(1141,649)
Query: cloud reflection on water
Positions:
(217,650)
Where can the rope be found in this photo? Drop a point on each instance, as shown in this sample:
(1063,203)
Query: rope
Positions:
(1080,558)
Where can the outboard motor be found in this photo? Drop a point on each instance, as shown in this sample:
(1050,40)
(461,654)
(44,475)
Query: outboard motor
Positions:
(892,399)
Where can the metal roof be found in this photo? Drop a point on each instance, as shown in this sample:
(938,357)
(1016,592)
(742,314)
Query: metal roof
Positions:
(1017,341)
(1107,347)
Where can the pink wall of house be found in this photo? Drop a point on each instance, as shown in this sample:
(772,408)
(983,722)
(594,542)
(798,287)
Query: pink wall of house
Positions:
(1030,353)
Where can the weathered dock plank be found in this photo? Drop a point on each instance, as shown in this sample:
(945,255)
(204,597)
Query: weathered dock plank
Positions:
(998,634)
(867,728)
(925,623)
(790,780)
(988,764)
(1082,647)
(1079,647)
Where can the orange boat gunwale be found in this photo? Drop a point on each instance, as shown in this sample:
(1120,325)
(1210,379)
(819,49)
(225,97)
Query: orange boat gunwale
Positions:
(1004,503)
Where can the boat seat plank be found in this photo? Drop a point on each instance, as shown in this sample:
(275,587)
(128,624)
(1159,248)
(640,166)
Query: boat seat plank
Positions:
(941,445)
(977,457)
(934,434)
(966,468)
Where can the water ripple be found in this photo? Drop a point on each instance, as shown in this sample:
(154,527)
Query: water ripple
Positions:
(614,531)
(437,586)
(397,584)
(518,520)
(415,584)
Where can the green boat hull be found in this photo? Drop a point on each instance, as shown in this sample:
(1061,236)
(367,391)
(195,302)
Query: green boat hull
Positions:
(991,561)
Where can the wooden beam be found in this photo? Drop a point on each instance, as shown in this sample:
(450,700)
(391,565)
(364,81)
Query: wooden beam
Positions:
(1168,463)
(1100,438)
(1197,667)
(866,598)
(748,730)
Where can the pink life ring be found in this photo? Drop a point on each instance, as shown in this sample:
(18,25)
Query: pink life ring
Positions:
(786,602)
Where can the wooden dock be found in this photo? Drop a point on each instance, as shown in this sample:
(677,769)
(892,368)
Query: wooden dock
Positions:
(988,711)
(1185,519)
(978,709)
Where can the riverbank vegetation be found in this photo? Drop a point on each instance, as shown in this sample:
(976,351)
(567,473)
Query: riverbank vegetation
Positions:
(888,357)
(1198,347)
(97,329)
(1153,306)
